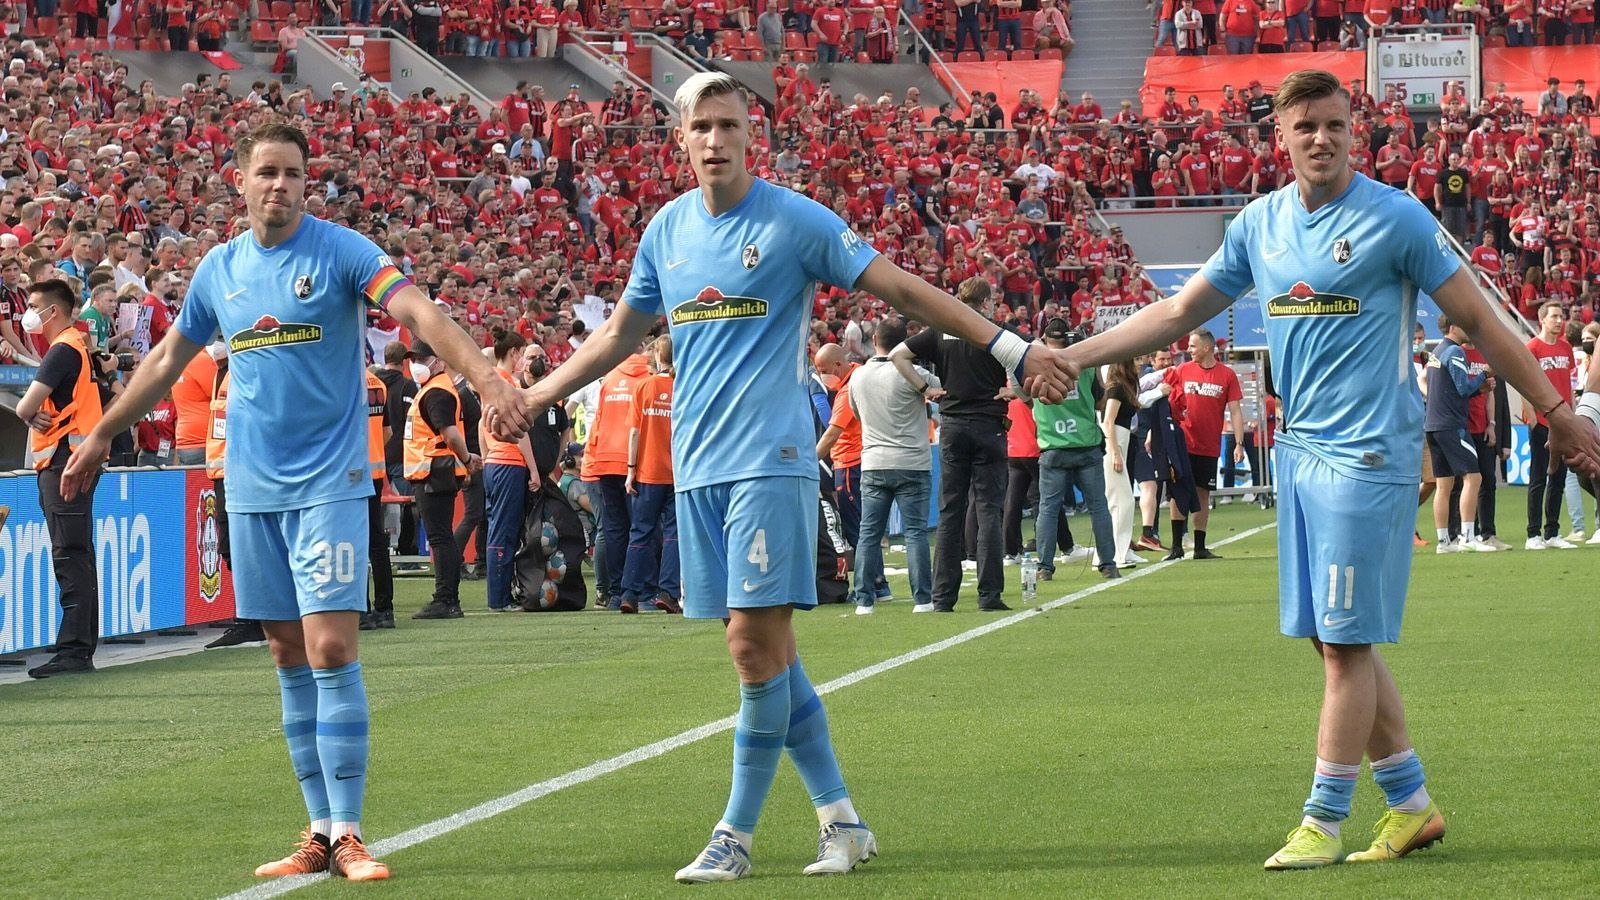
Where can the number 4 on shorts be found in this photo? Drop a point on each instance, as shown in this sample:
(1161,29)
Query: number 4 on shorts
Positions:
(758,550)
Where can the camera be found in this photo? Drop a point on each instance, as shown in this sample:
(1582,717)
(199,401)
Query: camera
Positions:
(125,361)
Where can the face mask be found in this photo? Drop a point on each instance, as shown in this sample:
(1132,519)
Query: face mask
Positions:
(1417,348)
(1588,347)
(32,322)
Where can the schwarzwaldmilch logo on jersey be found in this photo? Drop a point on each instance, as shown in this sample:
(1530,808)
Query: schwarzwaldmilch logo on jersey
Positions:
(269,332)
(751,256)
(1303,300)
(711,305)
(1341,251)
(302,286)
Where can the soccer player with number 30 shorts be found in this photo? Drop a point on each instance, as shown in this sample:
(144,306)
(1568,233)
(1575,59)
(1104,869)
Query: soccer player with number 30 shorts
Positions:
(290,296)
(733,266)
(1337,260)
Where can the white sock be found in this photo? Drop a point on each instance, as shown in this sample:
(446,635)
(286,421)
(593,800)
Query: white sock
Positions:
(841,811)
(1469,532)
(322,827)
(745,838)
(340,829)
(1415,803)
(1444,535)
(1331,829)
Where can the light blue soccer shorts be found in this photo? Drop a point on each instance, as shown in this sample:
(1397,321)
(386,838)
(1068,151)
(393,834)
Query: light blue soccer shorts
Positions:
(748,544)
(1344,552)
(290,564)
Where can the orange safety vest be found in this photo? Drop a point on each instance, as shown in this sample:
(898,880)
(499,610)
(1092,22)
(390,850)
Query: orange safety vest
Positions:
(496,451)
(377,407)
(217,434)
(423,444)
(77,418)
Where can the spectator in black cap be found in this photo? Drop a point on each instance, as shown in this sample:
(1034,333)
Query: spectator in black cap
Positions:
(437,462)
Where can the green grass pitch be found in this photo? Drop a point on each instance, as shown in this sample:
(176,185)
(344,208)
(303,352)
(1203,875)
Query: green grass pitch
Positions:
(1153,739)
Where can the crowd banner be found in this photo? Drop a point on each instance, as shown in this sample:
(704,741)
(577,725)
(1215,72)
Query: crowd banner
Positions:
(1106,317)
(1526,71)
(1003,77)
(155,546)
(1420,65)
(1204,76)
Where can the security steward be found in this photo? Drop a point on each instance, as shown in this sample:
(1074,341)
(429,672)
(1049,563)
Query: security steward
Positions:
(60,407)
(437,462)
(381,611)
(242,631)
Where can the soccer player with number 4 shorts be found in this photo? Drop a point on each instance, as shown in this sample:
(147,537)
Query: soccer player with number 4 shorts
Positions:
(1337,260)
(733,266)
(290,296)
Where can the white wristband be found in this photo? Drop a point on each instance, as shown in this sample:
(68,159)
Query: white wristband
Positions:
(1589,407)
(1009,348)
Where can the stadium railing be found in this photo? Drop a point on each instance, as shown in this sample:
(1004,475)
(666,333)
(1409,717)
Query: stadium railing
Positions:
(603,58)
(333,53)
(921,48)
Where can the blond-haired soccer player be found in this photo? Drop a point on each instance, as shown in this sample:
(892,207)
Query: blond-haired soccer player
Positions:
(732,266)
(1337,260)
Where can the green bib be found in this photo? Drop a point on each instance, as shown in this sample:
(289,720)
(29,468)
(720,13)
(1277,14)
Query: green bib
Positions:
(1072,423)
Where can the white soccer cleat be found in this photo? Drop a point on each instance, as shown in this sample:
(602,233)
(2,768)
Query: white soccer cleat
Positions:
(1534,543)
(1560,543)
(1480,546)
(840,847)
(866,610)
(922,607)
(724,859)
(1594,538)
(1447,546)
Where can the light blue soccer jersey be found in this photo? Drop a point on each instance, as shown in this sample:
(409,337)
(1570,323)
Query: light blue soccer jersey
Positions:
(1338,289)
(737,290)
(294,319)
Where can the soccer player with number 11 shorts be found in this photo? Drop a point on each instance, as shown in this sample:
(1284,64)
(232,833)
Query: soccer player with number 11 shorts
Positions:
(290,297)
(1337,260)
(733,267)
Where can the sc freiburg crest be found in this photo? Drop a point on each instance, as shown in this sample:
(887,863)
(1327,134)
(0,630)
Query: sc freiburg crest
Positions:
(711,305)
(751,256)
(1304,300)
(1341,251)
(302,286)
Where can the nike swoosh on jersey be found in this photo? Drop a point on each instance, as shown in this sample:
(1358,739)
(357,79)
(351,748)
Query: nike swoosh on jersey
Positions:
(752,588)
(1265,255)
(1330,622)
(235,293)
(676,263)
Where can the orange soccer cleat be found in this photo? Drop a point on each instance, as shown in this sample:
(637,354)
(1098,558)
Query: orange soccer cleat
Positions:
(352,862)
(310,858)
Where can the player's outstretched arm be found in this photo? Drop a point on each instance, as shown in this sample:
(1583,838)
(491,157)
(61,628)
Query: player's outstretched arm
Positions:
(610,344)
(156,375)
(502,405)
(1576,438)
(1153,327)
(1043,371)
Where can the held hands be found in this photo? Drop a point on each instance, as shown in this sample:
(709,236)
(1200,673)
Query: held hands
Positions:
(506,409)
(1048,374)
(1576,439)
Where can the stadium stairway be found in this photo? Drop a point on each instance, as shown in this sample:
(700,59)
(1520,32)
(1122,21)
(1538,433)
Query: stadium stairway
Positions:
(849,79)
(170,71)
(498,77)
(1113,41)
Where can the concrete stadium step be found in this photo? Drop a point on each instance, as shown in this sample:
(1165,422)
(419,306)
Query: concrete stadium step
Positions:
(1113,40)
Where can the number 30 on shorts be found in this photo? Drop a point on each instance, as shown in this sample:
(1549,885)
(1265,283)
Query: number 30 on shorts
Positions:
(758,551)
(334,562)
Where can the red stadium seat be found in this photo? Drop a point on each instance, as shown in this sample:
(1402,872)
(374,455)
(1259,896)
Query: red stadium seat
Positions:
(77,45)
(1495,40)
(1165,50)
(1050,53)
(968,56)
(793,41)
(280,9)
(1022,56)
(1303,47)
(1217,50)
(1328,47)
(863,57)
(263,33)
(804,56)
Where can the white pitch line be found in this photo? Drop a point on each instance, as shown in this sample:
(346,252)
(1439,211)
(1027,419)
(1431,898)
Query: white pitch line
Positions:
(491,808)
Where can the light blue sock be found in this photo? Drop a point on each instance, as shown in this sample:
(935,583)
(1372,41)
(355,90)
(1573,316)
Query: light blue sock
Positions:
(342,739)
(1399,775)
(1331,791)
(299,691)
(757,746)
(809,744)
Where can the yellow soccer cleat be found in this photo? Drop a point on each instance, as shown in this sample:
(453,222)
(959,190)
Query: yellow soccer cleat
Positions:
(309,858)
(352,862)
(1309,847)
(1400,833)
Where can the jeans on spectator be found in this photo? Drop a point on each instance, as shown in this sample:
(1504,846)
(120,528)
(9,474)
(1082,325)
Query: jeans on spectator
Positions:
(45,9)
(1519,35)
(472,519)
(1436,16)
(827,53)
(437,510)
(1455,221)
(519,48)
(1010,34)
(967,29)
(1547,477)
(489,48)
(404,515)
(1240,46)
(70,524)
(879,489)
(655,525)
(1480,219)
(1327,28)
(1299,26)
(149,458)
(616,520)
(847,497)
(469,44)
(1059,472)
(1166,33)
(361,12)
(1258,462)
(972,459)
(1022,477)
(506,493)
(377,552)
(1573,494)
(458,42)
(1583,32)
(1555,32)
(191,456)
